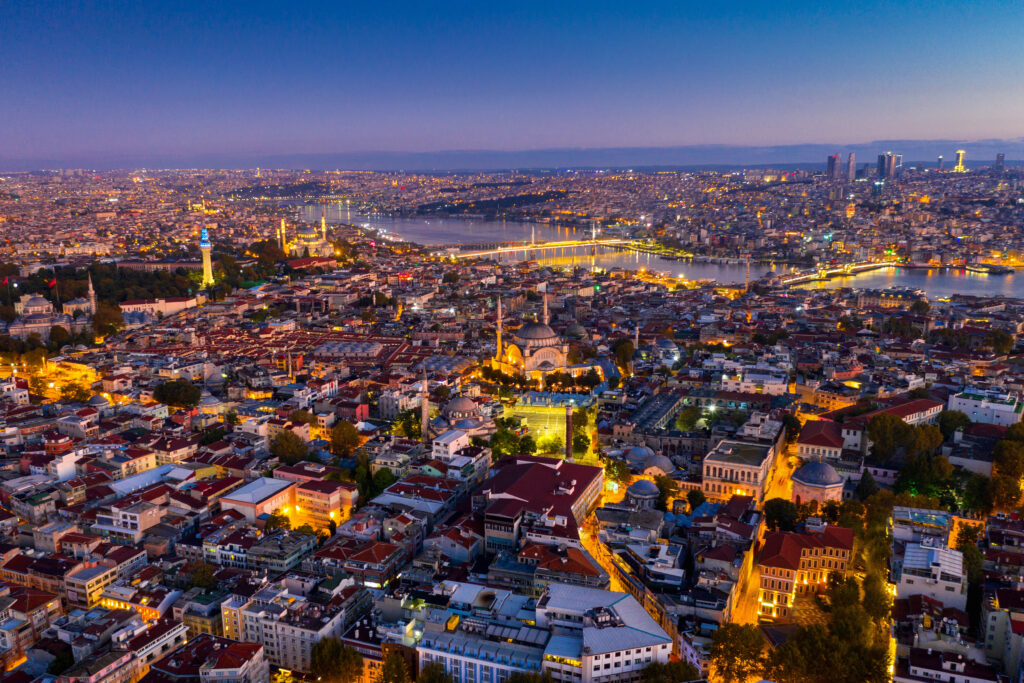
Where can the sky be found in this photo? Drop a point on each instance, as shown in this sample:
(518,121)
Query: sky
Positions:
(181,80)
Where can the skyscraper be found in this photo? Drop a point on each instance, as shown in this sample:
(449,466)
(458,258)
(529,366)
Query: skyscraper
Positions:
(889,165)
(1000,163)
(939,166)
(851,168)
(205,246)
(882,165)
(959,167)
(832,167)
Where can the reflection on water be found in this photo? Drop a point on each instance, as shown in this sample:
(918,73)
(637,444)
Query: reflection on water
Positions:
(937,283)
(431,231)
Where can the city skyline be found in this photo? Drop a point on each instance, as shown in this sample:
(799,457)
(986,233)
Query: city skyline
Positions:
(190,82)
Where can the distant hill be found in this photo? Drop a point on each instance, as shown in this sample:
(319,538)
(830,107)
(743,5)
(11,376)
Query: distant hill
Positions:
(690,157)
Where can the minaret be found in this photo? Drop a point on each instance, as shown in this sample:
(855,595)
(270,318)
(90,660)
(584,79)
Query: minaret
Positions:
(636,337)
(205,246)
(323,228)
(546,320)
(500,352)
(424,410)
(92,297)
(568,431)
(283,237)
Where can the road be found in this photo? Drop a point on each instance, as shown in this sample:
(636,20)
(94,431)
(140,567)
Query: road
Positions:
(779,486)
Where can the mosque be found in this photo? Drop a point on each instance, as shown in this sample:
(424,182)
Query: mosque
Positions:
(536,350)
(37,315)
(306,238)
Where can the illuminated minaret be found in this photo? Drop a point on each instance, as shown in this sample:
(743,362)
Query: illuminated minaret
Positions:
(323,228)
(498,353)
(92,297)
(425,410)
(205,246)
(546,319)
(282,237)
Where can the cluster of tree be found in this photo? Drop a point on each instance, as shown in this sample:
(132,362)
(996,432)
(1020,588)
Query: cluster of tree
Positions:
(371,484)
(852,647)
(687,419)
(668,489)
(201,575)
(617,471)
(769,339)
(408,424)
(997,340)
(344,438)
(623,350)
(580,430)
(563,381)
(889,434)
(506,440)
(179,393)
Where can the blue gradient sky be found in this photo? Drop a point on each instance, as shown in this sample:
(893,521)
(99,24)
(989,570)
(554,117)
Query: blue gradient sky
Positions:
(182,78)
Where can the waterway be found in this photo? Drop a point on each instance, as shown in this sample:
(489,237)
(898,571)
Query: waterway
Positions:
(439,231)
(937,283)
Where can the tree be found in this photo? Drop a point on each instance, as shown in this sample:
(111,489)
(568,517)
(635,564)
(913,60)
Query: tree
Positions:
(876,600)
(306,529)
(333,662)
(687,419)
(1008,458)
(201,575)
(107,320)
(212,435)
(952,420)
(925,439)
(737,652)
(382,479)
(288,447)
(277,520)
(59,336)
(617,471)
(580,444)
(668,672)
(842,591)
(920,307)
(552,444)
(433,672)
(450,278)
(74,393)
(623,350)
(866,487)
(527,445)
(668,488)
(1014,432)
(302,417)
(887,434)
(780,514)
(1003,492)
(696,498)
(999,341)
(179,393)
(344,438)
(394,669)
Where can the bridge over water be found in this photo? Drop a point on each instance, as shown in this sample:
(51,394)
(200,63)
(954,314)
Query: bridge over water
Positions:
(488,250)
(826,273)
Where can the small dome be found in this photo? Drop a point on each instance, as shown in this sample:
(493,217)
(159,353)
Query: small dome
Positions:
(535,332)
(665,343)
(642,488)
(98,401)
(461,405)
(819,474)
(37,301)
(576,331)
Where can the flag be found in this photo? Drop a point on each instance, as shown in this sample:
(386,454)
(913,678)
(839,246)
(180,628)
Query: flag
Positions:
(6,280)
(53,283)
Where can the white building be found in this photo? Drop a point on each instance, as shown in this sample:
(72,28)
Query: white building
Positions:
(932,569)
(990,407)
(599,636)
(737,468)
(448,444)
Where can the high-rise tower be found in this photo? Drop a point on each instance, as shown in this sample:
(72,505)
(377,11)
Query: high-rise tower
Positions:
(832,167)
(851,168)
(1000,163)
(939,165)
(205,246)
(959,168)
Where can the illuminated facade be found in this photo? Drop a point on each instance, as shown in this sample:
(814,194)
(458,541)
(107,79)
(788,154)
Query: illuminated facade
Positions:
(795,564)
(959,167)
(205,246)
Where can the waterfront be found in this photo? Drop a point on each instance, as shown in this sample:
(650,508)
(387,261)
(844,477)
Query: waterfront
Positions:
(936,282)
(437,231)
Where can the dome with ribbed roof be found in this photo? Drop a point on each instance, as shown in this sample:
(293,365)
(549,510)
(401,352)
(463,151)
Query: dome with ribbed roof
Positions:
(461,407)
